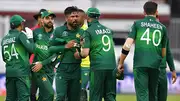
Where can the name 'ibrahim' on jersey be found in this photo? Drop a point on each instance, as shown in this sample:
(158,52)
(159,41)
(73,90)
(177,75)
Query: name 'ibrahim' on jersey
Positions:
(150,37)
(99,40)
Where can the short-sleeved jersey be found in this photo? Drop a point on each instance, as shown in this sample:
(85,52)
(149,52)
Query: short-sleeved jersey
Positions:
(99,39)
(15,52)
(42,41)
(150,37)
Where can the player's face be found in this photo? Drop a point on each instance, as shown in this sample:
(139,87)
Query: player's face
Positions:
(81,18)
(48,21)
(72,19)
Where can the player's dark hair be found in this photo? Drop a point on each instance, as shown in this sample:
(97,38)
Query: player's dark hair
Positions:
(150,7)
(12,26)
(70,9)
(80,10)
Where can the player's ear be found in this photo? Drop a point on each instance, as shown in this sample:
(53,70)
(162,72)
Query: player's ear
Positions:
(144,13)
(156,13)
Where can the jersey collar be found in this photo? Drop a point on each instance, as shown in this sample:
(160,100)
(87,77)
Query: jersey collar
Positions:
(94,21)
(13,30)
(150,17)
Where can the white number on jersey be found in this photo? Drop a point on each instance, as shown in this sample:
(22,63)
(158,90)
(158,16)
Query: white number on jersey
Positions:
(12,53)
(145,37)
(107,43)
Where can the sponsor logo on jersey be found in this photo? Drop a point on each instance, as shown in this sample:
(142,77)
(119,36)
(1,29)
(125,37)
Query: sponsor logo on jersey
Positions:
(39,36)
(65,33)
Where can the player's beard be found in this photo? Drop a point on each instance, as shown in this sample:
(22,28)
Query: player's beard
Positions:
(48,25)
(74,24)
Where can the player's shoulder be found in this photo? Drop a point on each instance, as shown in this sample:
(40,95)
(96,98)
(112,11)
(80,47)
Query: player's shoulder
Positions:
(161,24)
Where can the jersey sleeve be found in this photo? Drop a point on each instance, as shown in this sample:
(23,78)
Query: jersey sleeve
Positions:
(132,33)
(169,57)
(164,38)
(57,44)
(49,60)
(2,52)
(86,38)
(27,43)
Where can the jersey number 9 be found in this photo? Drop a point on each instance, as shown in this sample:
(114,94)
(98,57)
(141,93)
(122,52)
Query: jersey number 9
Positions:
(106,42)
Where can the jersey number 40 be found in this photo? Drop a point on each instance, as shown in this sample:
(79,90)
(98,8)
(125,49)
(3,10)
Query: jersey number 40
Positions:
(10,53)
(156,37)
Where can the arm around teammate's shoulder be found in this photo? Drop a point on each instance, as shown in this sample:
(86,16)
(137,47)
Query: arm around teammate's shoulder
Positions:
(27,43)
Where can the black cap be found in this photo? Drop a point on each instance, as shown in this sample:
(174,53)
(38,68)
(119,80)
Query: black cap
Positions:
(39,13)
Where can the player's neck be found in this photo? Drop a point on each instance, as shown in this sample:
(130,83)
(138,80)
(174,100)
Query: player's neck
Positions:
(48,29)
(70,27)
(151,15)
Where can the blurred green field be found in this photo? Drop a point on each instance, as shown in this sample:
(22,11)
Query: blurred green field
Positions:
(129,98)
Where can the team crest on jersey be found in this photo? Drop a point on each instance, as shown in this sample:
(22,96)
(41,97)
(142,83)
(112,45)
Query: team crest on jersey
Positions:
(78,35)
(39,36)
(65,33)
(44,79)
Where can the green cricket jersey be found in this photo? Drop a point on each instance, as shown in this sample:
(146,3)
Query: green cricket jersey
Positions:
(150,37)
(99,39)
(42,54)
(168,58)
(63,34)
(15,52)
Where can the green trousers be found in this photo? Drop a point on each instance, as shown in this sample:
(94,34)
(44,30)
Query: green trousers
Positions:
(162,85)
(84,77)
(146,82)
(68,82)
(18,88)
(44,83)
(102,85)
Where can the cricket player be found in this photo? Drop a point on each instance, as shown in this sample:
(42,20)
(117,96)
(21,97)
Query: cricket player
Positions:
(16,46)
(43,70)
(162,83)
(38,25)
(99,45)
(69,71)
(150,37)
(85,64)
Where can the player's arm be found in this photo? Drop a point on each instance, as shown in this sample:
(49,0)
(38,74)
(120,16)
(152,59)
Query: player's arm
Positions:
(127,46)
(169,59)
(27,43)
(38,65)
(58,44)
(164,42)
(2,52)
(85,46)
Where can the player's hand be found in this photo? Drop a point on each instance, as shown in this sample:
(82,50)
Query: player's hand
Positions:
(120,68)
(76,55)
(70,44)
(82,41)
(28,32)
(174,77)
(37,67)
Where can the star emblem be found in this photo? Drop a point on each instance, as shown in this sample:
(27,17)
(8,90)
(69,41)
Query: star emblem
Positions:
(78,35)
(44,79)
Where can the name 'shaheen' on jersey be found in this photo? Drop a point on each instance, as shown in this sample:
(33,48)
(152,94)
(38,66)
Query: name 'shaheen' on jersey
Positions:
(152,25)
(103,31)
(9,40)
(43,47)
